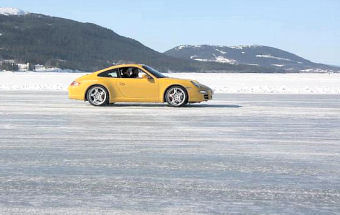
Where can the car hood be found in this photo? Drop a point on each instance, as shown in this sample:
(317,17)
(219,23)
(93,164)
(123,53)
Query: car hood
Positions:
(202,86)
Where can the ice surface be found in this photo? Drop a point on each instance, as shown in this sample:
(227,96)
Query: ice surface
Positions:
(238,154)
(294,83)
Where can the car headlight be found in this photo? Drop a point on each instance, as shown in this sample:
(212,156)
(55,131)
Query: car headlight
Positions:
(196,84)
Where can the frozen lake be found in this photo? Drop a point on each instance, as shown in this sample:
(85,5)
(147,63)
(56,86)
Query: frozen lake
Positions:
(248,154)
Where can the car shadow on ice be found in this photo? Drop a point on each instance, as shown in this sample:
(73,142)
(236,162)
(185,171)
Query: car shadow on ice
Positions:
(165,105)
(213,106)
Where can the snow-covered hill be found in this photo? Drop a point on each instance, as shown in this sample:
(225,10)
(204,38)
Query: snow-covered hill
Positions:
(9,11)
(264,56)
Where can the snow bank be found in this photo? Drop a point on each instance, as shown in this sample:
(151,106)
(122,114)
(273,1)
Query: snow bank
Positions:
(298,83)
(269,83)
(36,80)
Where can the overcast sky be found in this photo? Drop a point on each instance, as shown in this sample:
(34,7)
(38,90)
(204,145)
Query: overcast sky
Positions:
(308,28)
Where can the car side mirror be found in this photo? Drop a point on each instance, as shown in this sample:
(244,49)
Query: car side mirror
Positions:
(145,76)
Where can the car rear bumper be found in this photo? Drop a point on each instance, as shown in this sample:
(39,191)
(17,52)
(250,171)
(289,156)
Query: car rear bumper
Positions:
(75,92)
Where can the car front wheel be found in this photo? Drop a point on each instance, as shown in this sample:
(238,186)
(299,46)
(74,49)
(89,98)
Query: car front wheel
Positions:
(176,96)
(98,96)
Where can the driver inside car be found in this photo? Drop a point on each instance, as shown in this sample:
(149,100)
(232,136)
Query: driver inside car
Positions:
(126,73)
(135,72)
(130,73)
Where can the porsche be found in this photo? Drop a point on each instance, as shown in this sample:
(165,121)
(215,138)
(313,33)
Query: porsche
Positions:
(136,83)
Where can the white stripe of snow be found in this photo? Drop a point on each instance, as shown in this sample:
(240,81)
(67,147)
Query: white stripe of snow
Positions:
(273,57)
(293,83)
(278,65)
(219,59)
(222,59)
(220,51)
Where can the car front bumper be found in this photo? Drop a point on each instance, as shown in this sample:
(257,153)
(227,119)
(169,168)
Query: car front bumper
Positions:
(200,95)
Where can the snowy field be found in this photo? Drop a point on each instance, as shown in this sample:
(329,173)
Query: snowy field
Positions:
(237,154)
(301,83)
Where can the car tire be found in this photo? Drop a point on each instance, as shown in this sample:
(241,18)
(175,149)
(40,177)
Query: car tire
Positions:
(97,96)
(176,96)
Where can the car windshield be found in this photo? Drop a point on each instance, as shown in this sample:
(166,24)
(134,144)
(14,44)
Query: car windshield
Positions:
(154,72)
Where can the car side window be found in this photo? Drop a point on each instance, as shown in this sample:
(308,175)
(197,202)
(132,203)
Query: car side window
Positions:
(110,74)
(130,72)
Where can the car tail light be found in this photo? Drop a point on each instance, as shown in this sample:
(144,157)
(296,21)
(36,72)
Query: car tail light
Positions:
(75,83)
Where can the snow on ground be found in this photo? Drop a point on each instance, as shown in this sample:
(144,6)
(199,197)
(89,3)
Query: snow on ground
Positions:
(298,83)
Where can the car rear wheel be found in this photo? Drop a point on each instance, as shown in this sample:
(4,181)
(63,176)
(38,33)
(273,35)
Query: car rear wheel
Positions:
(176,96)
(98,96)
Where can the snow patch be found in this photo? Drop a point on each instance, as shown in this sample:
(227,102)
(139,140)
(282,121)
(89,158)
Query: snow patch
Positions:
(8,11)
(273,57)
(243,46)
(187,46)
(181,47)
(201,59)
(317,70)
(278,65)
(306,70)
(222,59)
(219,59)
(220,51)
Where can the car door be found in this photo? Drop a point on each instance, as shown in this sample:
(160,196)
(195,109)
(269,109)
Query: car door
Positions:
(108,79)
(139,87)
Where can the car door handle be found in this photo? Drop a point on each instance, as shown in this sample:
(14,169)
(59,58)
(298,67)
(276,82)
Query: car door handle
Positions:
(121,84)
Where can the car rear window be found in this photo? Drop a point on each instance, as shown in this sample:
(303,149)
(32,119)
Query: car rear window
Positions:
(109,73)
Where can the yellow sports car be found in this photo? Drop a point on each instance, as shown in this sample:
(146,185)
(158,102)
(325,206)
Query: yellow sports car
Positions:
(136,83)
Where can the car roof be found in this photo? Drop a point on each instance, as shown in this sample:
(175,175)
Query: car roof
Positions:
(119,66)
